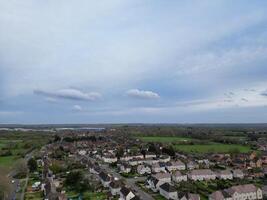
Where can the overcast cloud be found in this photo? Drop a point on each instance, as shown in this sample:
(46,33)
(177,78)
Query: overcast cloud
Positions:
(133,61)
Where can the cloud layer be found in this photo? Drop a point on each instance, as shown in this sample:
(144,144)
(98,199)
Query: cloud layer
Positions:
(133,61)
(71,94)
(142,94)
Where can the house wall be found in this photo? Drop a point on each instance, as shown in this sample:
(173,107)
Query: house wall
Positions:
(179,178)
(167,195)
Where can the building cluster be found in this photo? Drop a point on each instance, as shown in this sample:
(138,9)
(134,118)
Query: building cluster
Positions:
(115,186)
(161,173)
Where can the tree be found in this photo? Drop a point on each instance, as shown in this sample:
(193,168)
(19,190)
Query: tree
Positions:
(119,152)
(21,169)
(57,138)
(75,181)
(5,187)
(32,164)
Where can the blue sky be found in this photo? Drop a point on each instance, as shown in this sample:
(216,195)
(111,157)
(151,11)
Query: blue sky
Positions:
(115,61)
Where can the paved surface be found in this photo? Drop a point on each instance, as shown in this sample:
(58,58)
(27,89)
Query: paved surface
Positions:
(131,182)
(16,185)
(14,189)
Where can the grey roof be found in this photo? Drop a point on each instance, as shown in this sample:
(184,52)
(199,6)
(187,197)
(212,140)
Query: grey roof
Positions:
(168,187)
(125,191)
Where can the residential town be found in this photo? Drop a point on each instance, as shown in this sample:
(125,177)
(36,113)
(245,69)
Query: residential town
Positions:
(114,165)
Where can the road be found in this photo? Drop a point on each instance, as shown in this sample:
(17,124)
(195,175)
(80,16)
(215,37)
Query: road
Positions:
(131,182)
(16,185)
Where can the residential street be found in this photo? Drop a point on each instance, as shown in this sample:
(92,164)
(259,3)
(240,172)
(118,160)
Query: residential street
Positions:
(131,182)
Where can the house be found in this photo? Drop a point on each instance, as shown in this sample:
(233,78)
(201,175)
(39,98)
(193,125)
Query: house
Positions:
(50,192)
(255,163)
(153,183)
(143,169)
(150,155)
(126,194)
(82,152)
(192,165)
(168,191)
(188,196)
(115,187)
(205,163)
(176,165)
(125,168)
(109,158)
(164,177)
(264,191)
(202,174)
(158,167)
(150,161)
(248,191)
(164,158)
(105,178)
(238,173)
(126,158)
(225,174)
(220,195)
(177,176)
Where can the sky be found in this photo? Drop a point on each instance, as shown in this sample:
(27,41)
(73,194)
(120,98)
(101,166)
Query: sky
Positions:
(133,61)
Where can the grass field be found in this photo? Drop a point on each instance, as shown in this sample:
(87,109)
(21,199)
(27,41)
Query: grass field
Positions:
(213,147)
(87,195)
(7,161)
(95,195)
(164,139)
(34,196)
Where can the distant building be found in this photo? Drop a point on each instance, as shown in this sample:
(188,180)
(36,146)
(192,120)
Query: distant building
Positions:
(240,192)
(143,169)
(175,165)
(177,176)
(238,173)
(225,174)
(202,174)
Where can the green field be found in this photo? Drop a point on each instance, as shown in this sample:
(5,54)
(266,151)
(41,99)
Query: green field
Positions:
(7,161)
(87,195)
(213,147)
(95,195)
(34,196)
(164,139)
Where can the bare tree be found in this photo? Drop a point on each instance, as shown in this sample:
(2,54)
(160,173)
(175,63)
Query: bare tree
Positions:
(5,186)
(21,169)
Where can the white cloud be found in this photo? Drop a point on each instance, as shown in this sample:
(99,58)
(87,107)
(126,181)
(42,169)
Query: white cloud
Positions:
(72,94)
(142,94)
(77,108)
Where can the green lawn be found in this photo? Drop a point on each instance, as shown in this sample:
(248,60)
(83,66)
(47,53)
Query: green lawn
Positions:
(213,147)
(7,161)
(94,195)
(87,195)
(164,139)
(34,196)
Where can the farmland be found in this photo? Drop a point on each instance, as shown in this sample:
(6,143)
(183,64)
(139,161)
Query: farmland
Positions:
(213,147)
(164,139)
(15,145)
(190,145)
